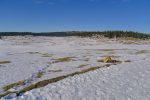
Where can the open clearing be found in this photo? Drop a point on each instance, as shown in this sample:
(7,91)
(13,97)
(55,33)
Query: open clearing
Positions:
(70,68)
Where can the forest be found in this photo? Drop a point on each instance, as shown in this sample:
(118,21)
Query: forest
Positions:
(108,34)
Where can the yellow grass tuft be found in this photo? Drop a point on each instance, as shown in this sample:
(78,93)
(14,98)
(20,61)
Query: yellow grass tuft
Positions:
(108,59)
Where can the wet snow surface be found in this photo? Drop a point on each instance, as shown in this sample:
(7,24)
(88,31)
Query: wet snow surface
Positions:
(57,56)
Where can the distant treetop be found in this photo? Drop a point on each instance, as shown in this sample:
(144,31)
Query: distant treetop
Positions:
(108,34)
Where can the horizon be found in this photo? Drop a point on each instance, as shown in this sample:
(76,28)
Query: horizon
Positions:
(76,31)
(73,31)
(79,15)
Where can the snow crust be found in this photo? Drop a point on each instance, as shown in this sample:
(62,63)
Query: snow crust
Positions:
(122,82)
(125,81)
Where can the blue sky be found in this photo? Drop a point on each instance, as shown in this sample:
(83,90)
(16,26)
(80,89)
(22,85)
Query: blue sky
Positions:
(74,15)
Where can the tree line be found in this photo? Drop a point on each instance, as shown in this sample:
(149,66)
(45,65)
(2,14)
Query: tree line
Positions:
(109,34)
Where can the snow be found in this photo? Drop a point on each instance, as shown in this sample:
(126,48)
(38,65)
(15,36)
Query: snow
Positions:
(125,81)
(128,81)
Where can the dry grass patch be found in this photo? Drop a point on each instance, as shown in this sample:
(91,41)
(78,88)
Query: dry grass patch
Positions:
(108,59)
(112,56)
(127,61)
(43,54)
(5,62)
(63,59)
(53,80)
(107,50)
(4,94)
(82,65)
(111,50)
(42,83)
(55,71)
(39,74)
(33,52)
(7,87)
(46,55)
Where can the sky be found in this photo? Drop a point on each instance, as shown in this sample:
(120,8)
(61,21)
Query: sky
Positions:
(74,15)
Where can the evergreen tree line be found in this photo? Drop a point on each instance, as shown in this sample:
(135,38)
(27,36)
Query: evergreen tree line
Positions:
(109,34)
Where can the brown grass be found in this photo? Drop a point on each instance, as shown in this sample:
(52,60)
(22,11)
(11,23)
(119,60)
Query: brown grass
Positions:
(82,65)
(7,87)
(111,50)
(5,62)
(64,59)
(107,49)
(127,61)
(54,70)
(33,52)
(53,80)
(39,74)
(112,56)
(112,61)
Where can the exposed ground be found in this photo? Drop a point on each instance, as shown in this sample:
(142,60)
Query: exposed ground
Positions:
(70,68)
